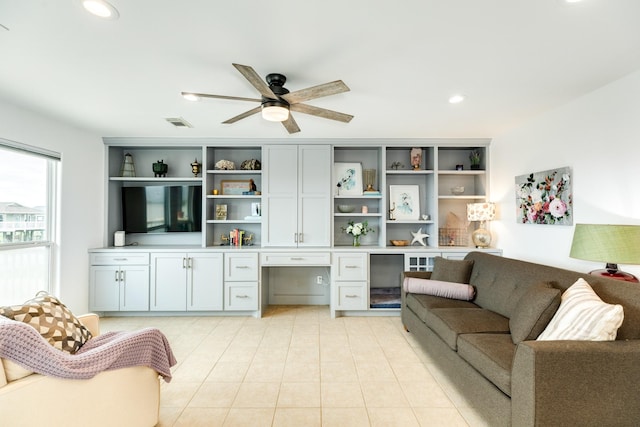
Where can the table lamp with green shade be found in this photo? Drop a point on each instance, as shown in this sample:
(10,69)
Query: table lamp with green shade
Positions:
(611,244)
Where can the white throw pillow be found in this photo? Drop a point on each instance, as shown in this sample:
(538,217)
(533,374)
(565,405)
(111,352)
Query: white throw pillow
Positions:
(582,315)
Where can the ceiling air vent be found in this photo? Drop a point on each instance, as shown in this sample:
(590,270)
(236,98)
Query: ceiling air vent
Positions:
(179,122)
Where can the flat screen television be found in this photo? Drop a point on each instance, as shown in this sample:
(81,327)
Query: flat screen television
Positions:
(162,208)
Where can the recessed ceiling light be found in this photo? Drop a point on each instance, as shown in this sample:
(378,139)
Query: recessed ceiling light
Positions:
(101,9)
(456,99)
(190,96)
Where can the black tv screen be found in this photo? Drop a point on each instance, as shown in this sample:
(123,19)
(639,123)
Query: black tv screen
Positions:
(162,208)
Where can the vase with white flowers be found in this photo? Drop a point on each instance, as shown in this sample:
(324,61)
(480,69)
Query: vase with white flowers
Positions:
(357,230)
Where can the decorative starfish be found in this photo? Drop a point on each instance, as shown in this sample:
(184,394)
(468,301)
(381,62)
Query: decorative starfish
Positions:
(419,237)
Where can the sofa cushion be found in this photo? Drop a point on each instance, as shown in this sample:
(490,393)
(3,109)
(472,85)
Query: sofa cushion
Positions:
(448,323)
(52,319)
(13,371)
(582,315)
(3,378)
(533,312)
(420,304)
(491,355)
(451,270)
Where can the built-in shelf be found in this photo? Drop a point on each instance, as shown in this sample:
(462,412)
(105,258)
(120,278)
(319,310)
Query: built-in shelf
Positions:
(159,179)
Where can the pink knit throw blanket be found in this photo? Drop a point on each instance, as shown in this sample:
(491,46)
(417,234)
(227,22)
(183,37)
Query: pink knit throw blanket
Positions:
(23,344)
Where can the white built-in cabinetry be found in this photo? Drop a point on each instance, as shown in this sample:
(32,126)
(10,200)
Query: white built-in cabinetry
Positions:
(350,282)
(119,281)
(298,199)
(186,281)
(241,281)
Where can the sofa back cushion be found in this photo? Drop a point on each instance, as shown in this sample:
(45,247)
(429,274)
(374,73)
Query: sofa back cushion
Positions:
(451,270)
(501,281)
(534,311)
(3,378)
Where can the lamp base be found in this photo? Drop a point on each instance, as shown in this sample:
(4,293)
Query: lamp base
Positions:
(481,238)
(616,275)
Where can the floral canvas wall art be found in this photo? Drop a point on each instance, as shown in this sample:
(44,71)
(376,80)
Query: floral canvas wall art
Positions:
(545,197)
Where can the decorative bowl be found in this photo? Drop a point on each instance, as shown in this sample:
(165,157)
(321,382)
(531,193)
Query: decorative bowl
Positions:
(399,242)
(346,208)
(457,190)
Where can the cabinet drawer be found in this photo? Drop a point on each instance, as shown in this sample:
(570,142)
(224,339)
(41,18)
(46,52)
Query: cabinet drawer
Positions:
(120,258)
(241,266)
(295,258)
(351,266)
(241,296)
(351,296)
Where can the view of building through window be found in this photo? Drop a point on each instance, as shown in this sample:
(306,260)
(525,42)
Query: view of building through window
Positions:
(26,184)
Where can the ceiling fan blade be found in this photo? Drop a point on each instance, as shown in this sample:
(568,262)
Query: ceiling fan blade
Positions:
(234,98)
(290,125)
(257,82)
(321,112)
(243,115)
(313,92)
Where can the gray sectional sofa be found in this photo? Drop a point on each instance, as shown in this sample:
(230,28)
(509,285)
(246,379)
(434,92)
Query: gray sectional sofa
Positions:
(529,383)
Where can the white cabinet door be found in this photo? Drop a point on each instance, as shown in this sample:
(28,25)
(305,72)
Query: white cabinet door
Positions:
(105,288)
(280,197)
(169,281)
(314,195)
(205,285)
(119,288)
(297,199)
(134,288)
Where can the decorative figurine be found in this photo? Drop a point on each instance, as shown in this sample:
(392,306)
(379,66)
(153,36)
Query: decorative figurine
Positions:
(419,237)
(160,169)
(396,165)
(392,216)
(416,158)
(196,167)
(128,169)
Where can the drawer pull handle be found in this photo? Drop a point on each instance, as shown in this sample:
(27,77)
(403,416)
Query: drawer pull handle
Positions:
(242,296)
(351,296)
(350,266)
(297,258)
(244,267)
(120,259)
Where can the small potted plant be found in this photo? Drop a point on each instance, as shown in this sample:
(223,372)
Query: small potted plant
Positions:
(357,230)
(474,157)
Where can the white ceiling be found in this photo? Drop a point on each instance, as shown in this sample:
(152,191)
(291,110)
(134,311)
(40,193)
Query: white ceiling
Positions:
(513,59)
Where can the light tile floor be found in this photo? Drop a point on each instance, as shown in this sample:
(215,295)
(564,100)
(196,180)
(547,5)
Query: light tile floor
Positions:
(298,367)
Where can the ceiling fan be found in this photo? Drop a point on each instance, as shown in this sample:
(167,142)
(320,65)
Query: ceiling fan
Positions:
(276,101)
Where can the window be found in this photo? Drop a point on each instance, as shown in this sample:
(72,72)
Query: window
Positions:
(28,183)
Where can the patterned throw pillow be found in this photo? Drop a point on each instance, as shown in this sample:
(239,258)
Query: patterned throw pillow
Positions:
(582,315)
(52,319)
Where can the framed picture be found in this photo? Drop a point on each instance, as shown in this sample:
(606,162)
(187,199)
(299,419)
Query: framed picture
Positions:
(545,197)
(404,202)
(347,178)
(221,212)
(235,187)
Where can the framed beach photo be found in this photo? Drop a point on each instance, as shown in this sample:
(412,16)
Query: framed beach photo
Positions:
(404,202)
(347,179)
(235,187)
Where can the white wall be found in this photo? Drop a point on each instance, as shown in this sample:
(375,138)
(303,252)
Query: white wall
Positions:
(82,193)
(598,136)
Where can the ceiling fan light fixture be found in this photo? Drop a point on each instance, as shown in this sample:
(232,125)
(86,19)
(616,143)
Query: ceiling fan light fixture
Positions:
(101,9)
(275,111)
